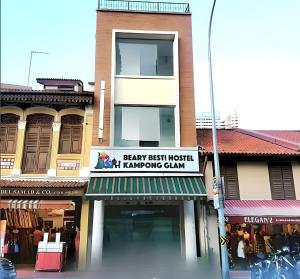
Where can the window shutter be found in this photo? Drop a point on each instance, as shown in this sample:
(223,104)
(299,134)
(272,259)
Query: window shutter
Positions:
(229,172)
(281,181)
(66,137)
(11,139)
(44,150)
(30,150)
(76,139)
(3,132)
(288,182)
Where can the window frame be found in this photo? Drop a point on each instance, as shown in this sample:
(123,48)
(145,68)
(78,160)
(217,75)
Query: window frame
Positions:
(285,168)
(6,127)
(224,169)
(72,127)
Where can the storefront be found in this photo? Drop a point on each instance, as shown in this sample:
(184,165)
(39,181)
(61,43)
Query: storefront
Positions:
(54,206)
(143,206)
(270,218)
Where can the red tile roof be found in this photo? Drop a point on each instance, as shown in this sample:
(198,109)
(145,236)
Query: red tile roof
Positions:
(251,142)
(42,184)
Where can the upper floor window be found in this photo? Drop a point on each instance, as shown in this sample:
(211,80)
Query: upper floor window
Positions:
(71,134)
(231,182)
(144,126)
(144,57)
(282,181)
(8,133)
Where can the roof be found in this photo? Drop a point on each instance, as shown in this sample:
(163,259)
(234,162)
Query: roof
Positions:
(58,81)
(146,187)
(13,183)
(45,97)
(14,86)
(250,142)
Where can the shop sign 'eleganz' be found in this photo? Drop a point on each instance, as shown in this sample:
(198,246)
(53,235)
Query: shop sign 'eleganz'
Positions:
(144,160)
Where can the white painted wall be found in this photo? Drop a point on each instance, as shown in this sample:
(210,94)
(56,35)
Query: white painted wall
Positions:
(209,178)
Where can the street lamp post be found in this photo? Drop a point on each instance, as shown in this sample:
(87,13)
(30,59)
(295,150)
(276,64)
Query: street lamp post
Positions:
(29,69)
(219,198)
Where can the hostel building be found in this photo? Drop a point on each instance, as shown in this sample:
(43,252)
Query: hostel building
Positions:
(44,169)
(145,196)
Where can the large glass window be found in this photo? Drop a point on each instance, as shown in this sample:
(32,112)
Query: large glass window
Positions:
(144,126)
(144,57)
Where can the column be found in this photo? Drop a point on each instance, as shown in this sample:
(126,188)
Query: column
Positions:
(189,231)
(203,236)
(19,147)
(54,148)
(84,225)
(97,235)
(86,142)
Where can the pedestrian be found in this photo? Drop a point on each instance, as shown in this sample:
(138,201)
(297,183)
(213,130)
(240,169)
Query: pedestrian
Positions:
(241,257)
(234,245)
(260,246)
(37,237)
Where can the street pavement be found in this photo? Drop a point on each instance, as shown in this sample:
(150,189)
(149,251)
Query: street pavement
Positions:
(24,271)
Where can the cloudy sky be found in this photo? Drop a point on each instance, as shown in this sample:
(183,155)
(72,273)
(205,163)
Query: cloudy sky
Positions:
(255,50)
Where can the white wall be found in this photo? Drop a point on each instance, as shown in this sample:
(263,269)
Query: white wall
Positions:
(296,175)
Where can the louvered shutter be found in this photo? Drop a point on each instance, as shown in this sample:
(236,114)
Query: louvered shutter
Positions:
(276,182)
(3,132)
(65,139)
(76,139)
(31,149)
(11,139)
(229,172)
(288,182)
(281,181)
(44,150)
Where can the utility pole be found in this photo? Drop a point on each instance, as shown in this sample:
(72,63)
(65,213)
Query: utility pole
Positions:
(29,69)
(218,190)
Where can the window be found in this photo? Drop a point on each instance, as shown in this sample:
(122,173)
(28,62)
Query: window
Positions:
(8,133)
(144,57)
(281,181)
(71,134)
(231,183)
(144,126)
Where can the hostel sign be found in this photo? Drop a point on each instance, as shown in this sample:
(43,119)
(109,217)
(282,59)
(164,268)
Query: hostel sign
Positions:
(144,160)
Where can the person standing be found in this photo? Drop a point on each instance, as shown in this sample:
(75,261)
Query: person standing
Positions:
(37,237)
(241,253)
(260,247)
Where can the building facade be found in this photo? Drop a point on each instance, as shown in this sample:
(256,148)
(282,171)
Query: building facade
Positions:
(44,169)
(204,121)
(146,191)
(261,172)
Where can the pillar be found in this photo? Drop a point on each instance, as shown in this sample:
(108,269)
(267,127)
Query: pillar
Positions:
(97,235)
(84,224)
(86,142)
(19,148)
(54,148)
(203,236)
(189,231)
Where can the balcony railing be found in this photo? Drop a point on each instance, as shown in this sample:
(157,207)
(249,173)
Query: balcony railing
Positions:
(144,6)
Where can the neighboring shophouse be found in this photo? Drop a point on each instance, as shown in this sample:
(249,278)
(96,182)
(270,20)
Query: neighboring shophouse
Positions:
(261,171)
(146,195)
(44,169)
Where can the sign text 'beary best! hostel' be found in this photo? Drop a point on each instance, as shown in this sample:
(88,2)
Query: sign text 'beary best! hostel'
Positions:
(144,160)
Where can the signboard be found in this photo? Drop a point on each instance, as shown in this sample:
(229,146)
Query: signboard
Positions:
(262,220)
(144,160)
(40,192)
(223,240)
(216,201)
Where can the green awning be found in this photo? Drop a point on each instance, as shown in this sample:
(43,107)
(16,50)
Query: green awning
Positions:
(179,187)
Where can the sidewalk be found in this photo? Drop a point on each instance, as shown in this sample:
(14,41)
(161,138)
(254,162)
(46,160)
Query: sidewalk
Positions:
(27,272)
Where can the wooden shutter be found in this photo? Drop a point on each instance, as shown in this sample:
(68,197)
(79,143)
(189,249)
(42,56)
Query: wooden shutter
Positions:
(45,135)
(229,172)
(281,181)
(3,133)
(76,139)
(31,149)
(65,139)
(8,138)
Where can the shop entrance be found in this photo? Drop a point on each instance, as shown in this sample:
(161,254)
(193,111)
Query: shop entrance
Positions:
(141,235)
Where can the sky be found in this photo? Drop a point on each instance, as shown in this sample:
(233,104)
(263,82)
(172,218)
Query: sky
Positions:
(255,53)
